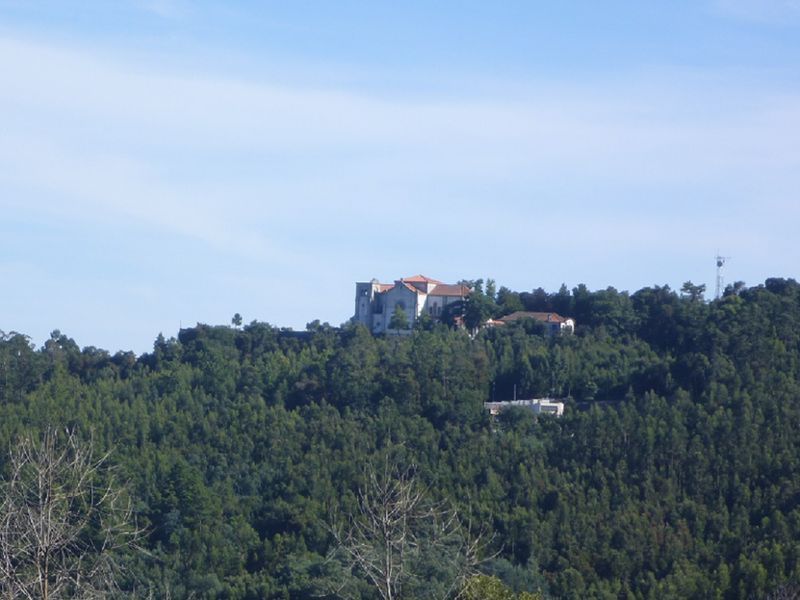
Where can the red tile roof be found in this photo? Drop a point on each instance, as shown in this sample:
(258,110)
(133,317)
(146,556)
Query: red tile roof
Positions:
(420,279)
(438,288)
(444,289)
(546,317)
(411,287)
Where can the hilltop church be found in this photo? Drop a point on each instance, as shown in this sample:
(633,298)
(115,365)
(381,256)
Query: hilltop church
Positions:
(376,302)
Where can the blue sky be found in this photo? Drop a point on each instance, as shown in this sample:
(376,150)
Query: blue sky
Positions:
(165,162)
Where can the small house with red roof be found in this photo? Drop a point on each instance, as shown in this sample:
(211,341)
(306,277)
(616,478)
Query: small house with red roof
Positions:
(417,295)
(553,322)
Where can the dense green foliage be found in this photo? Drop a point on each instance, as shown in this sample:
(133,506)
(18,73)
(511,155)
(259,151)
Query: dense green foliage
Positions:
(675,471)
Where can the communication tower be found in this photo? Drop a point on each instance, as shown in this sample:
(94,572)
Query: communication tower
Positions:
(721,260)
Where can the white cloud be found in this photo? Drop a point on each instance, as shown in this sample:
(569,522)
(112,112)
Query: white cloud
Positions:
(773,12)
(604,129)
(166,9)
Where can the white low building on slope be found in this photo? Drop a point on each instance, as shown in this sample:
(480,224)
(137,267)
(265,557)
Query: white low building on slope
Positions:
(540,406)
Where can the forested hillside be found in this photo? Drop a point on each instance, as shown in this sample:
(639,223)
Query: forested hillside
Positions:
(674,473)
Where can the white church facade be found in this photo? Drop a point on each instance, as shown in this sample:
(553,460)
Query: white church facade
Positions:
(376,302)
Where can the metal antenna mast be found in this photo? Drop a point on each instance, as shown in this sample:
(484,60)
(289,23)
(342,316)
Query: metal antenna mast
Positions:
(721,260)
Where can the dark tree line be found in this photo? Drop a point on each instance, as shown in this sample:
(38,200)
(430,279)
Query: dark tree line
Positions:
(675,472)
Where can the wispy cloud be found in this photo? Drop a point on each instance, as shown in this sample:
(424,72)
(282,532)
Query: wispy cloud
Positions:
(184,153)
(143,108)
(773,12)
(167,9)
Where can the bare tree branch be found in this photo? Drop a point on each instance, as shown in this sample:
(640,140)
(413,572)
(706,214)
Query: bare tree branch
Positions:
(400,542)
(785,591)
(63,520)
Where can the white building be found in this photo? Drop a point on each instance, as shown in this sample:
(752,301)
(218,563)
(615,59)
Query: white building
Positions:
(540,406)
(376,302)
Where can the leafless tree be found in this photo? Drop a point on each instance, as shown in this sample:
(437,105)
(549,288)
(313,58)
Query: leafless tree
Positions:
(786,591)
(400,542)
(64,521)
